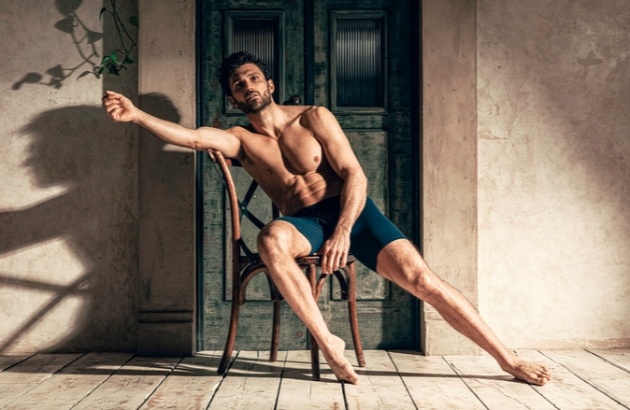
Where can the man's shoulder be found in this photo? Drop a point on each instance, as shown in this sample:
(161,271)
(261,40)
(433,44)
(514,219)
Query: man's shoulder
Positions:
(314,110)
(240,130)
(313,114)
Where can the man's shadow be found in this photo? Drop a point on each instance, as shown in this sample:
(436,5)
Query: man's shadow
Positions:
(80,148)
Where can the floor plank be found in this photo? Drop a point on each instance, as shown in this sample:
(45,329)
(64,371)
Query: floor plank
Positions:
(566,390)
(618,357)
(190,386)
(496,389)
(8,360)
(433,384)
(26,375)
(299,391)
(73,383)
(582,379)
(380,386)
(605,377)
(130,386)
(251,383)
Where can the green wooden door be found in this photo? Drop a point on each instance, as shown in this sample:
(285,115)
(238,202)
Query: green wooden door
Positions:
(355,58)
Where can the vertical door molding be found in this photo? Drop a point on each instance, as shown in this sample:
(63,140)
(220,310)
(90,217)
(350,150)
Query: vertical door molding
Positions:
(449,161)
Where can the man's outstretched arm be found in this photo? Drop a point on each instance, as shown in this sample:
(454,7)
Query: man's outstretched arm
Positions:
(121,109)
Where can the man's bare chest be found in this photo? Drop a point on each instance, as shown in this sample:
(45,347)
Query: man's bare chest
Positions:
(296,153)
(301,152)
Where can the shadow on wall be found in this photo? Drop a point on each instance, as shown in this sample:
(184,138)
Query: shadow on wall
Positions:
(71,280)
(85,40)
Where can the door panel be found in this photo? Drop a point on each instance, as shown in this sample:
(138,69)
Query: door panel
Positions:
(345,55)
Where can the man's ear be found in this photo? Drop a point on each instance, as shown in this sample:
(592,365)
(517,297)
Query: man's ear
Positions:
(271,86)
(232,101)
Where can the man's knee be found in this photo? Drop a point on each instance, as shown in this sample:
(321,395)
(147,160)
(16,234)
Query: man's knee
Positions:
(427,283)
(275,238)
(402,263)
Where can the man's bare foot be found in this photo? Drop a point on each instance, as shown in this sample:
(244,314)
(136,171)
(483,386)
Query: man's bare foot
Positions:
(531,373)
(333,353)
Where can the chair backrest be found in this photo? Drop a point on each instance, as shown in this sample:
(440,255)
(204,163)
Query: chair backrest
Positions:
(248,205)
(253,206)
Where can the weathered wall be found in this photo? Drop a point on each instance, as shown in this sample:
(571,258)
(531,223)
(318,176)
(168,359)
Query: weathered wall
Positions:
(68,184)
(554,167)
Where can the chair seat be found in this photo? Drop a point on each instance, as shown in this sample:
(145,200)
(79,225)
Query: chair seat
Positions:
(252,265)
(301,260)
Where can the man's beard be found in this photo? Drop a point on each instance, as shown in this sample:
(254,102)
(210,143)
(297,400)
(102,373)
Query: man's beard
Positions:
(255,106)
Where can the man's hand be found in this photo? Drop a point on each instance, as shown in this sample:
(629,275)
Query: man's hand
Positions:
(334,252)
(118,107)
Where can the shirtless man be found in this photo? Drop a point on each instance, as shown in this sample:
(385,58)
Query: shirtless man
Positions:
(301,158)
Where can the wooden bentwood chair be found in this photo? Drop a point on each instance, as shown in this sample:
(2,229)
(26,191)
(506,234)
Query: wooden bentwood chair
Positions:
(247,264)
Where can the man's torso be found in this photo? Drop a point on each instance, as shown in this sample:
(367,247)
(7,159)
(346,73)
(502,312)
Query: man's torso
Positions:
(290,167)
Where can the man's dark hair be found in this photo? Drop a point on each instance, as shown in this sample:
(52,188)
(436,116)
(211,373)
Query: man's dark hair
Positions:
(234,61)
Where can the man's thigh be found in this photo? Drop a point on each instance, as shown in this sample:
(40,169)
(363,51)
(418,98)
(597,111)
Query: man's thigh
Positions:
(371,233)
(298,240)
(400,261)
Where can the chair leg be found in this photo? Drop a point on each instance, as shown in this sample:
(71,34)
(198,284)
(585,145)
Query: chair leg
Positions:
(312,278)
(275,332)
(352,310)
(231,339)
(315,359)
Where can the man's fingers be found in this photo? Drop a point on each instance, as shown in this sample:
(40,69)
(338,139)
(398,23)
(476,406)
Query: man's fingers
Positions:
(110,108)
(332,261)
(334,254)
(111,96)
(343,260)
(326,262)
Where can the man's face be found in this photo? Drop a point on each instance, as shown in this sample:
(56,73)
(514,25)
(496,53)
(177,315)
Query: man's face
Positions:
(250,91)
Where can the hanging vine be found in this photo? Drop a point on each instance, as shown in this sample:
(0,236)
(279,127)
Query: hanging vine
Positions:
(120,58)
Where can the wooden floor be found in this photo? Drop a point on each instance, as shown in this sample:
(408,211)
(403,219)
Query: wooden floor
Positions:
(583,379)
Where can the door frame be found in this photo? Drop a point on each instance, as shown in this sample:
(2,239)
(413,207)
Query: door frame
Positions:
(447,148)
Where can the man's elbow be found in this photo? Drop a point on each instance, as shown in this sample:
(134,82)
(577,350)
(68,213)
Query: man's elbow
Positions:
(197,142)
(357,176)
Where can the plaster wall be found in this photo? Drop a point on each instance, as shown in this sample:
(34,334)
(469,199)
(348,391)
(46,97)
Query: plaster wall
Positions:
(68,184)
(554,165)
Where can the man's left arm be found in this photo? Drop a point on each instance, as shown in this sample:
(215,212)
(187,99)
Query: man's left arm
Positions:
(325,127)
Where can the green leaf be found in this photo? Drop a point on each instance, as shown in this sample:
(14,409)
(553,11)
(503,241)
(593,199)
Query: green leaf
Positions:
(133,20)
(113,57)
(113,69)
(128,60)
(101,69)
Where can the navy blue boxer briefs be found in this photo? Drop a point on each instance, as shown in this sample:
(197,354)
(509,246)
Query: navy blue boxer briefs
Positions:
(371,232)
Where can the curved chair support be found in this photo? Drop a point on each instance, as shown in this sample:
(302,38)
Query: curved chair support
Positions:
(245,267)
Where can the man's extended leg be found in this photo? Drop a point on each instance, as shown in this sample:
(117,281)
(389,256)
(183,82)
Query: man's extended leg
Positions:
(401,263)
(278,244)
